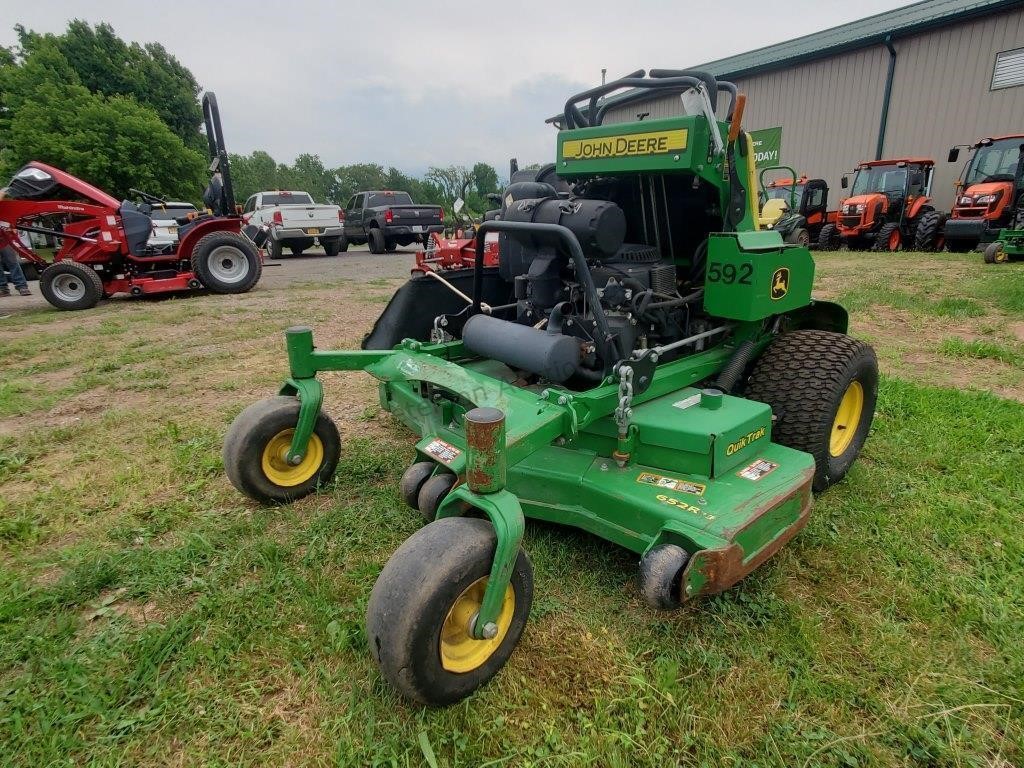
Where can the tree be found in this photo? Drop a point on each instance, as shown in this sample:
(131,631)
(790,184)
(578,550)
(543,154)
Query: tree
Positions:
(114,143)
(485,178)
(106,65)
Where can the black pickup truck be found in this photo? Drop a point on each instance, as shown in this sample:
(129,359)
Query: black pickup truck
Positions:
(385,220)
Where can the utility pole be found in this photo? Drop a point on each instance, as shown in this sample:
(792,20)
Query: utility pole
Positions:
(604,72)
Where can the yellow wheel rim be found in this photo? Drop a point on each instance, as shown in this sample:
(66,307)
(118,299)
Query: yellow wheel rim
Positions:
(1002,256)
(460,652)
(844,427)
(279,471)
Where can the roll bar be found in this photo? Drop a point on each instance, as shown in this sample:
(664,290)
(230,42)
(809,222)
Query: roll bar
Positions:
(218,150)
(662,81)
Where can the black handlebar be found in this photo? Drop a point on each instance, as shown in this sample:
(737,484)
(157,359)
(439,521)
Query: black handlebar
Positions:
(660,80)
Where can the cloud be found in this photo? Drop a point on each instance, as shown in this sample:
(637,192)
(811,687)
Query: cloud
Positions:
(414,84)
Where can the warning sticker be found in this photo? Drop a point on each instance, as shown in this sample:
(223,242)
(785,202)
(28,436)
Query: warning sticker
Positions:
(671,483)
(758,469)
(689,402)
(444,452)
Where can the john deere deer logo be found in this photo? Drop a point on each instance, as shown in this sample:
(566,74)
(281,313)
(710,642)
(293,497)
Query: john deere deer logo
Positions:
(780,283)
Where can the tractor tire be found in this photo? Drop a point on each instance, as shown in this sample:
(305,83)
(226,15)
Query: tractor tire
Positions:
(342,243)
(822,387)
(391,246)
(889,238)
(274,248)
(928,234)
(418,616)
(375,240)
(661,576)
(255,445)
(829,239)
(799,236)
(69,285)
(432,493)
(412,481)
(226,262)
(332,246)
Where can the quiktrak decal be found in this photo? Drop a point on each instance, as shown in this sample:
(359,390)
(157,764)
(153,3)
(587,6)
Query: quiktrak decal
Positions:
(630,145)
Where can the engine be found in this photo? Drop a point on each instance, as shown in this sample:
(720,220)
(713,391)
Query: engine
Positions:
(570,327)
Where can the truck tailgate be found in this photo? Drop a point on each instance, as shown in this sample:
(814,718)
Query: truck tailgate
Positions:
(309,216)
(415,215)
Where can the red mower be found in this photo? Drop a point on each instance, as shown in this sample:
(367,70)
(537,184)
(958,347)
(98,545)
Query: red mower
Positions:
(104,244)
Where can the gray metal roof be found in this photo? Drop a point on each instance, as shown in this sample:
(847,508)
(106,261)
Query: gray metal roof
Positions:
(901,22)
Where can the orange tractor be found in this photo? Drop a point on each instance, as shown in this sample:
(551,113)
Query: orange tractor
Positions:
(887,203)
(989,194)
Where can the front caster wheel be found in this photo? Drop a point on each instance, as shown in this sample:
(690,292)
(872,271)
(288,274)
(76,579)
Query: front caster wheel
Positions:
(258,441)
(419,614)
(412,481)
(432,493)
(661,576)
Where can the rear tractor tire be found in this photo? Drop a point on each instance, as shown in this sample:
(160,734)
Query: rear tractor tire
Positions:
(822,387)
(69,285)
(829,239)
(421,608)
(257,442)
(226,262)
(889,238)
(928,234)
(661,576)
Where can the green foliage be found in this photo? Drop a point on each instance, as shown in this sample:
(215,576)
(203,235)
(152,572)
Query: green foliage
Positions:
(106,65)
(116,136)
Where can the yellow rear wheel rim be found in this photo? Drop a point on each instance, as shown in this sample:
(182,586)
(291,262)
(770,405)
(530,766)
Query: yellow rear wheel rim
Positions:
(279,471)
(460,652)
(844,426)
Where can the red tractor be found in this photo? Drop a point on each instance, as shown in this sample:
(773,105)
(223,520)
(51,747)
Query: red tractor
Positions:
(888,200)
(989,194)
(104,243)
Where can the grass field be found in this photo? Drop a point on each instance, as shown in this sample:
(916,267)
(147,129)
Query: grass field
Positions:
(149,615)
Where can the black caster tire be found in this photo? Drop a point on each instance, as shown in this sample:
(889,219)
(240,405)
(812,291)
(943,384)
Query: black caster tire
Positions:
(257,441)
(420,609)
(661,575)
(412,481)
(432,493)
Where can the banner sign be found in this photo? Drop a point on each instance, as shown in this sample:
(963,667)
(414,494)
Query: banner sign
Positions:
(767,146)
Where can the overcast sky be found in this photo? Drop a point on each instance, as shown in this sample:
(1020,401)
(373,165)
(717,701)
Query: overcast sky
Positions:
(426,82)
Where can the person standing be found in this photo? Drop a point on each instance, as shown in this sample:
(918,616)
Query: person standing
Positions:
(10,263)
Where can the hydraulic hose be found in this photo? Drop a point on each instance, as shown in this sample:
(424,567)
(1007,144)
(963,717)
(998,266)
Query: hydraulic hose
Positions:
(733,369)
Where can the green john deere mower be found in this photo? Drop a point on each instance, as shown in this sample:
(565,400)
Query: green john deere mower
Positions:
(643,364)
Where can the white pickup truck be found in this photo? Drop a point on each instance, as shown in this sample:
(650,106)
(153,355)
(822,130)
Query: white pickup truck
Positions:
(295,221)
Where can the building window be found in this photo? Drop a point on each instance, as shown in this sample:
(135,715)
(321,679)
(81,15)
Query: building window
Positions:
(1009,69)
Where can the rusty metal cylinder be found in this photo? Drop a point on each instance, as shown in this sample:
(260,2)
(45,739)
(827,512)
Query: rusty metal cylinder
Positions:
(485,450)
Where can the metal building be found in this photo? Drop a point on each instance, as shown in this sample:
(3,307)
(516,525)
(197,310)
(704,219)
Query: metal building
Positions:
(912,81)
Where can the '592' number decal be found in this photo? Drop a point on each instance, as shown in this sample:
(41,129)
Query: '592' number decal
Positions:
(729,273)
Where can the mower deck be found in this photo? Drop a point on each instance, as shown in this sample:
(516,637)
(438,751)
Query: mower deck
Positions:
(704,473)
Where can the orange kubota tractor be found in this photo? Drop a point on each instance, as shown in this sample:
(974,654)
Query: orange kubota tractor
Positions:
(989,194)
(887,201)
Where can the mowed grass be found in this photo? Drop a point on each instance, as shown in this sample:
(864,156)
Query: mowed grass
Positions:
(149,615)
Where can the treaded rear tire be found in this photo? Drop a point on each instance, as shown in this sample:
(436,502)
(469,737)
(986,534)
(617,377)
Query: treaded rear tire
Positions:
(803,376)
(929,229)
(881,241)
(828,238)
